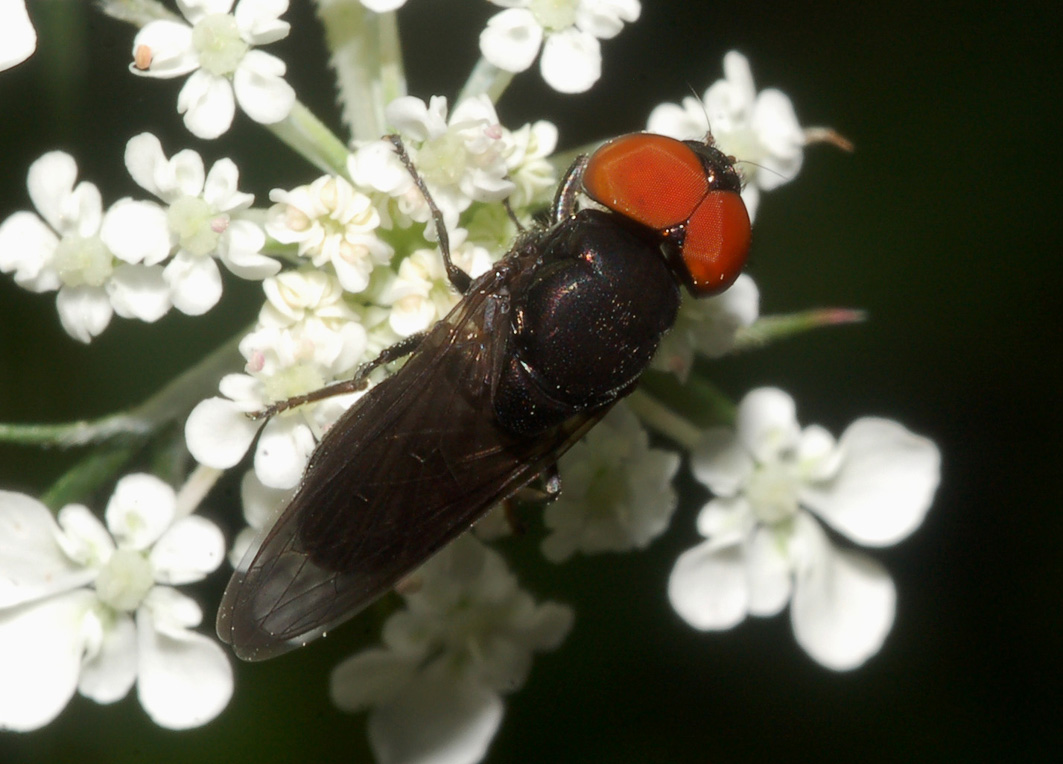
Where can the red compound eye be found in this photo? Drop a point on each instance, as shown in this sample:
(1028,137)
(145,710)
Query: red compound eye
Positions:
(686,191)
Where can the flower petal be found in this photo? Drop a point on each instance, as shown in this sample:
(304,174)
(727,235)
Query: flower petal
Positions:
(766,423)
(50,182)
(139,291)
(260,88)
(27,247)
(259,22)
(283,451)
(720,463)
(708,587)
(770,582)
(195,283)
(33,565)
(208,105)
(41,655)
(18,38)
(843,605)
(109,675)
(571,61)
(511,39)
(172,52)
(189,549)
(219,433)
(369,678)
(885,484)
(437,721)
(184,678)
(140,509)
(84,311)
(136,232)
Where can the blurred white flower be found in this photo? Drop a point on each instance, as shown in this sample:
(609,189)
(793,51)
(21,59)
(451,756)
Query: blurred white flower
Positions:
(462,158)
(18,38)
(333,224)
(201,222)
(217,48)
(765,549)
(759,129)
(421,292)
(306,337)
(92,609)
(467,636)
(527,149)
(708,326)
(100,263)
(567,31)
(617,491)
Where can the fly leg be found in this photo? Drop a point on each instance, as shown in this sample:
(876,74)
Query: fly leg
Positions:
(460,280)
(542,490)
(358,382)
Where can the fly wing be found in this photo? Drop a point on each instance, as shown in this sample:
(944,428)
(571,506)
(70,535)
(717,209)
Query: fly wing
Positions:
(408,468)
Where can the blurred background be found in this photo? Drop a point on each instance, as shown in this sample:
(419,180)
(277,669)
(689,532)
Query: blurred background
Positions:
(939,225)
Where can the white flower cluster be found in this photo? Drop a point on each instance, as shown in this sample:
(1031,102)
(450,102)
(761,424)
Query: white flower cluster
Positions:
(92,609)
(139,258)
(763,547)
(466,637)
(216,48)
(567,31)
(356,293)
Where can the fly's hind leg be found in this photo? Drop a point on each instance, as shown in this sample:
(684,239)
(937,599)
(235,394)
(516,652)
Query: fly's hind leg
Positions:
(358,382)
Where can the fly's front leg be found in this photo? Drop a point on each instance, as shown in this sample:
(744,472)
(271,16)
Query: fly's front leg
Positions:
(358,382)
(458,278)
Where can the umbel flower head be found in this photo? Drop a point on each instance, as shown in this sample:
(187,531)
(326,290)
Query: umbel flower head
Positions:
(216,48)
(93,609)
(763,546)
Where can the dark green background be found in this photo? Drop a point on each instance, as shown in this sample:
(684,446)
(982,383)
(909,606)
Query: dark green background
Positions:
(943,225)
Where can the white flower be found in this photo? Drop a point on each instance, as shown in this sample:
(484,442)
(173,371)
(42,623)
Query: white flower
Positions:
(708,326)
(616,491)
(18,38)
(760,130)
(216,47)
(58,635)
(306,338)
(572,57)
(421,293)
(462,159)
(764,548)
(332,223)
(100,264)
(527,165)
(201,222)
(466,636)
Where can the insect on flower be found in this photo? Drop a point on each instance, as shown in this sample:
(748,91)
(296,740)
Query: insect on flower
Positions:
(536,352)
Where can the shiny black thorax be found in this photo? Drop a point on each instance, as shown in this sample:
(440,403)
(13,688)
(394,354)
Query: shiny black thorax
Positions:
(585,320)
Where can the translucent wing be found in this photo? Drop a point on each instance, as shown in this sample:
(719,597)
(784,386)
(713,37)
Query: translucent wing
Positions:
(408,468)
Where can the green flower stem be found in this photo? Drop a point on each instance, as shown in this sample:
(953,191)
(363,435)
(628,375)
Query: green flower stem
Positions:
(697,401)
(196,488)
(662,419)
(171,403)
(310,138)
(768,329)
(485,78)
(367,58)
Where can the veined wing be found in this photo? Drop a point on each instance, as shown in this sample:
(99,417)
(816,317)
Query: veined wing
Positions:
(408,468)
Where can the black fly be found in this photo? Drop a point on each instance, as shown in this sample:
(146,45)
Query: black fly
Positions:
(536,352)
